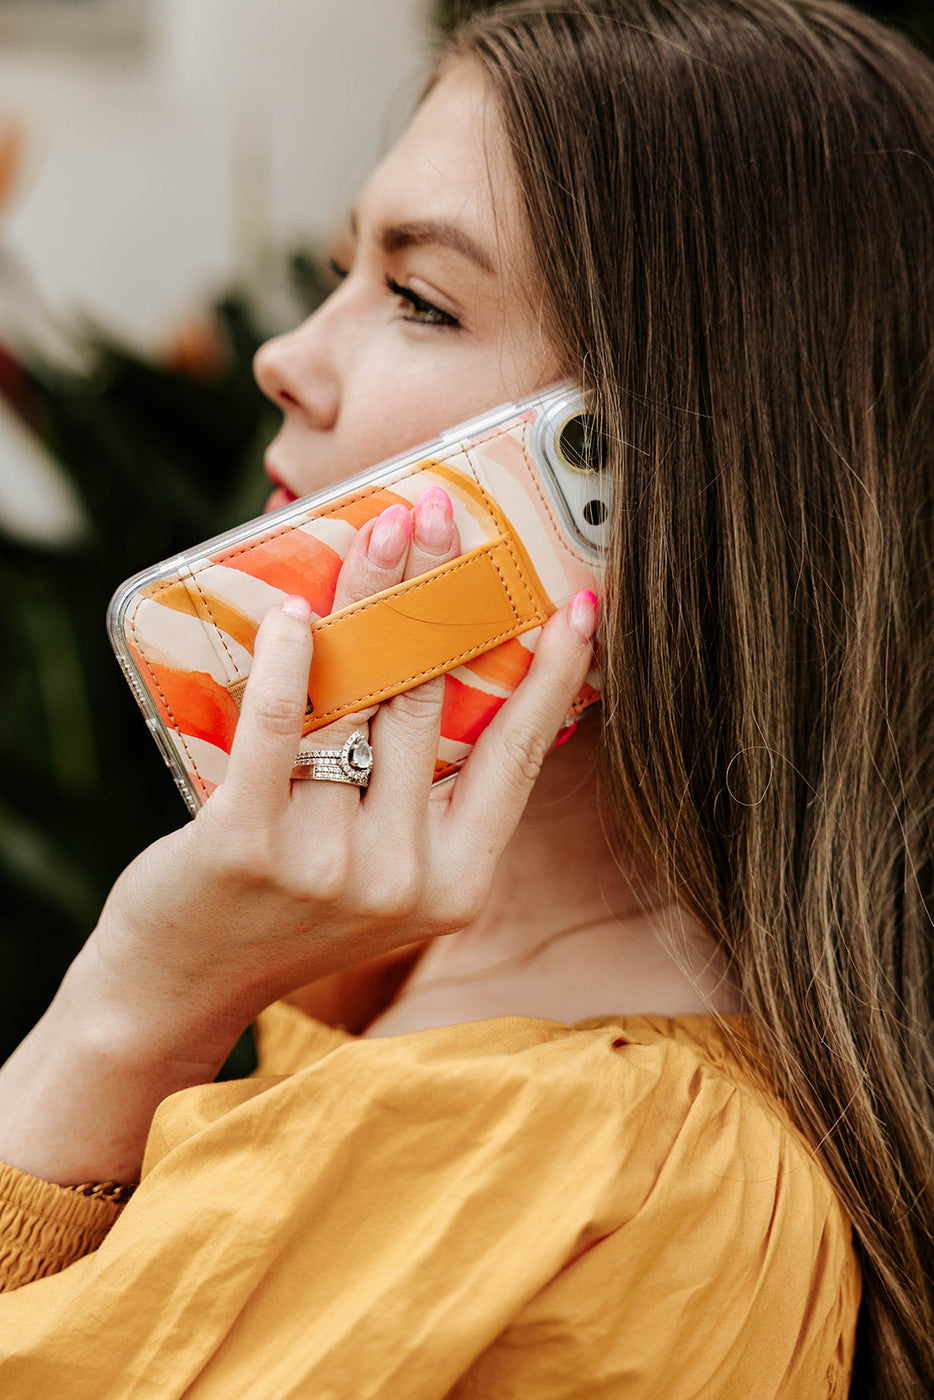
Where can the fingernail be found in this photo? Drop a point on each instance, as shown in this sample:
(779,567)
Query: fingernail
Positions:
(565,733)
(583,614)
(434,518)
(390,535)
(297,606)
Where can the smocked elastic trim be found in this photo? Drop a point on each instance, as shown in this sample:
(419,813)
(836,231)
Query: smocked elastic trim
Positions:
(44,1227)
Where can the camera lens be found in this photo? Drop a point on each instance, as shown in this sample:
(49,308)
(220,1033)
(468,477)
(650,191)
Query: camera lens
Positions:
(578,445)
(595,512)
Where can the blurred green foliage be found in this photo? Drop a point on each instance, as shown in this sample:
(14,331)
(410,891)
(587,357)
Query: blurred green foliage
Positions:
(161,459)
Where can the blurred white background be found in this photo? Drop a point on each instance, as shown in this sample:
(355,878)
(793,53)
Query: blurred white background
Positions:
(155,175)
(151,176)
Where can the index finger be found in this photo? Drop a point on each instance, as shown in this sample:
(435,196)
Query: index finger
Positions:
(492,788)
(270,725)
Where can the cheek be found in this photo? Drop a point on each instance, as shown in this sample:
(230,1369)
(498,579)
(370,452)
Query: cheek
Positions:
(386,413)
(392,401)
(415,405)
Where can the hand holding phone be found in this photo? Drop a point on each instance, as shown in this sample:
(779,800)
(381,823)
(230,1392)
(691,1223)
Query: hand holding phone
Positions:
(532,511)
(277,883)
(280,882)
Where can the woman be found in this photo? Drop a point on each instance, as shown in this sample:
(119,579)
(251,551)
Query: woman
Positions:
(558,1163)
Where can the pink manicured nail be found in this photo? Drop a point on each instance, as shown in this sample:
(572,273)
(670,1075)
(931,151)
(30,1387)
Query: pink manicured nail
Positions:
(565,734)
(434,518)
(583,614)
(297,606)
(390,535)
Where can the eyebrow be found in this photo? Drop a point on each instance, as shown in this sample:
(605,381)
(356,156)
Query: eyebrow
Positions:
(392,238)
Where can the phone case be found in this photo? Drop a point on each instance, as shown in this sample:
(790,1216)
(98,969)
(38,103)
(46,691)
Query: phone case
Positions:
(183,630)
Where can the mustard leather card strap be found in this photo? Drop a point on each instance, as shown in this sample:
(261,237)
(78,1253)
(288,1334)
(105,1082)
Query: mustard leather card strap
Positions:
(421,628)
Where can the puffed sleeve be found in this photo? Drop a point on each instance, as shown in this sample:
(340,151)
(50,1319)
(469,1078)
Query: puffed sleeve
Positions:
(511,1207)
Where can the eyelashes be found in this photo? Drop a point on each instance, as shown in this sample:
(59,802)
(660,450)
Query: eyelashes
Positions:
(421,312)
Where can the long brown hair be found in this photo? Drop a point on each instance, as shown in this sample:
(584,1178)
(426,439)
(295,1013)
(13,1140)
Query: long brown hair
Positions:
(732,204)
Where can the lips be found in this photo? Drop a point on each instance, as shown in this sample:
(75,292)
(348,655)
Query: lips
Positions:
(282,495)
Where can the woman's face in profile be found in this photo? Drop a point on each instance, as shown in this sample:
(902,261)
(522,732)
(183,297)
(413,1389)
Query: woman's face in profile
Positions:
(435,317)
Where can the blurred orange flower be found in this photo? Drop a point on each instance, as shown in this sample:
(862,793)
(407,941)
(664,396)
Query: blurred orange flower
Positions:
(11,151)
(197,349)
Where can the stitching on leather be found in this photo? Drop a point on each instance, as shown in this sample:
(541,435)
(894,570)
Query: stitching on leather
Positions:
(406,681)
(485,552)
(487,498)
(583,703)
(547,504)
(214,623)
(212,561)
(323,514)
(131,620)
(493,507)
(344,501)
(536,618)
(422,466)
(341,503)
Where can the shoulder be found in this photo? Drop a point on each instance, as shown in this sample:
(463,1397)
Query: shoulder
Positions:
(699,1237)
(658,1140)
(630,1099)
(720,1162)
(715,1252)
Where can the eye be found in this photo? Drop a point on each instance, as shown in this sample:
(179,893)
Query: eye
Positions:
(422,312)
(336,272)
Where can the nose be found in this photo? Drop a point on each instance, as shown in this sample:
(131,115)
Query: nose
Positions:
(293,371)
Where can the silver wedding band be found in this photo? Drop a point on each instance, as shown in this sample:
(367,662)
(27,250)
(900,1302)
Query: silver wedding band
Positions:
(351,764)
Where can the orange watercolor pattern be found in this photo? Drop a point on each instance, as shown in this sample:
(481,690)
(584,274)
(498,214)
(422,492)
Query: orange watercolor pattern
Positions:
(367,507)
(218,612)
(505,665)
(194,703)
(294,562)
(466,712)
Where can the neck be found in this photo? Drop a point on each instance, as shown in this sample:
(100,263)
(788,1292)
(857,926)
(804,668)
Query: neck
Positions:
(574,926)
(563,866)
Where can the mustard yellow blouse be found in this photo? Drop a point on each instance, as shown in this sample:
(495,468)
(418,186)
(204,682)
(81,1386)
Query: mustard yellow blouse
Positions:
(507,1209)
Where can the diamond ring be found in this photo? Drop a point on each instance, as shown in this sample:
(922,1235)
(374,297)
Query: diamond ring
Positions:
(351,764)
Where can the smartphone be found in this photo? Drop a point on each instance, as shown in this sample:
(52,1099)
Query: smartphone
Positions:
(533,510)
